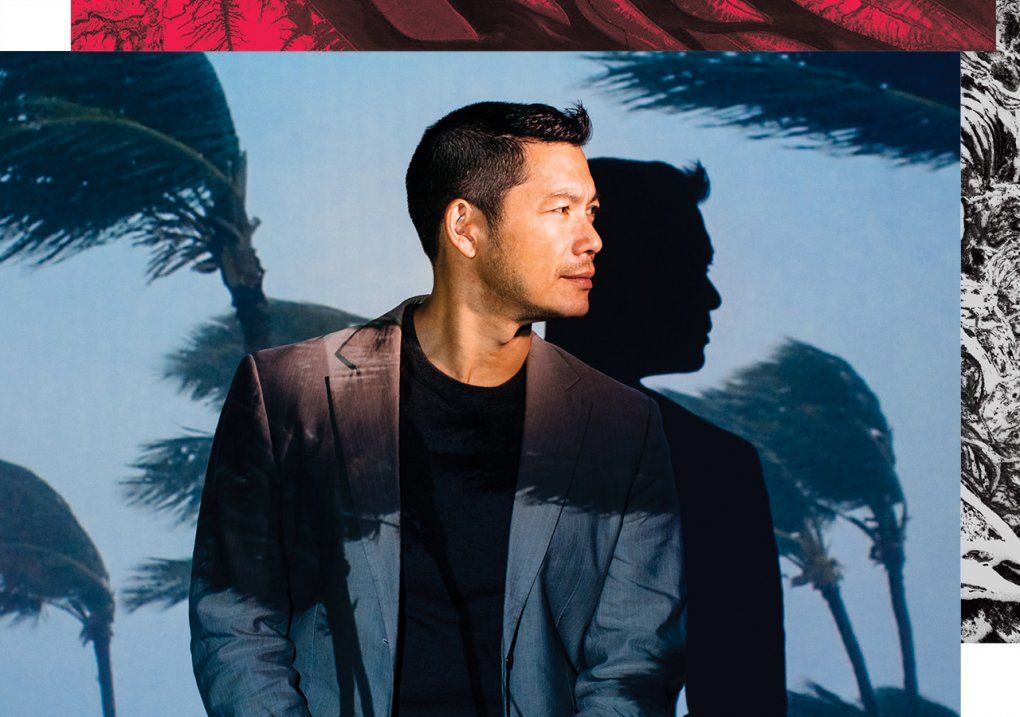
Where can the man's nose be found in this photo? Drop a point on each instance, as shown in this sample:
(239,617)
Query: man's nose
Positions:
(714,297)
(590,242)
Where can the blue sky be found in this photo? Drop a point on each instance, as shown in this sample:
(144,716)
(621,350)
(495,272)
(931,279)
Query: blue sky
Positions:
(854,255)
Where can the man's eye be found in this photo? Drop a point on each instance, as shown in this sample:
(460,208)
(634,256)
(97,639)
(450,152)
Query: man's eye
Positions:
(593,210)
(562,210)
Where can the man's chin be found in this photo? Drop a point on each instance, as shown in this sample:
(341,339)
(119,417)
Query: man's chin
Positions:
(573,310)
(692,361)
(560,310)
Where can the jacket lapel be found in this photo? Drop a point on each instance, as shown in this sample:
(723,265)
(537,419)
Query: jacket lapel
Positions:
(364,383)
(554,424)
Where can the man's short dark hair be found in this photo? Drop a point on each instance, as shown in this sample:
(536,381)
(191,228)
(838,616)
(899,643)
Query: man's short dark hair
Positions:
(477,153)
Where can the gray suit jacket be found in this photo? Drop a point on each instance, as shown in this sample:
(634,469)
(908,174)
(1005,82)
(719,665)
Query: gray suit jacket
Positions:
(295,585)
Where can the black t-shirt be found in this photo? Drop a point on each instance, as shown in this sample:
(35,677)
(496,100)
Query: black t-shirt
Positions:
(459,451)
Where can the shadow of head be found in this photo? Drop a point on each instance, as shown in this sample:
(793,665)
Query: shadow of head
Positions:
(651,300)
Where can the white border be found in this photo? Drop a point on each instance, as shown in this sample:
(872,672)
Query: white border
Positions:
(990,680)
(35,24)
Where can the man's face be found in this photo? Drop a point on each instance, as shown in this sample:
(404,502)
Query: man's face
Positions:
(539,261)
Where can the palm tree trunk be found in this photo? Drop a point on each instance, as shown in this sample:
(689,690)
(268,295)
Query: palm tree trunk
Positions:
(890,548)
(101,645)
(834,599)
(246,295)
(240,268)
(897,592)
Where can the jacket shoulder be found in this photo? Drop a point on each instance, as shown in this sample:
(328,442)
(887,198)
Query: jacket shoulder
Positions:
(599,385)
(305,355)
(295,373)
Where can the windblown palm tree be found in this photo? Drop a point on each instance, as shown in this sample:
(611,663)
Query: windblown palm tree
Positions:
(812,414)
(904,108)
(47,558)
(131,148)
(171,471)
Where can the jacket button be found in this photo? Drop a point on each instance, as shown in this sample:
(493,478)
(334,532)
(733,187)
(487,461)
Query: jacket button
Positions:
(510,661)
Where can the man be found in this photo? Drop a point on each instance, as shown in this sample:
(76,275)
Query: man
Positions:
(439,513)
(655,297)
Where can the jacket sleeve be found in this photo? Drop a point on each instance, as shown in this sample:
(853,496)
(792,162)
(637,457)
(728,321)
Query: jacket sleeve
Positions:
(239,606)
(634,647)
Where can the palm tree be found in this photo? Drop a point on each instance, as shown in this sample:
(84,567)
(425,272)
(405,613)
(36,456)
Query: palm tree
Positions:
(905,109)
(47,558)
(820,420)
(131,148)
(171,471)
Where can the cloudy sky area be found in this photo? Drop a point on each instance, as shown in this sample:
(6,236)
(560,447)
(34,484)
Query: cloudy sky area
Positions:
(853,255)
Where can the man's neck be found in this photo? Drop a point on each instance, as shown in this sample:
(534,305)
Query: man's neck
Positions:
(469,343)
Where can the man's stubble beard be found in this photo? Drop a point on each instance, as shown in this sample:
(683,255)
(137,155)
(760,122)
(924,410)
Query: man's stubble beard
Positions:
(507,285)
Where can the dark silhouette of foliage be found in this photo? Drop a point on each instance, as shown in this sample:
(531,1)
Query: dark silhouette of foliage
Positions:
(213,24)
(171,471)
(550,25)
(47,558)
(111,25)
(135,148)
(846,104)
(159,582)
(891,701)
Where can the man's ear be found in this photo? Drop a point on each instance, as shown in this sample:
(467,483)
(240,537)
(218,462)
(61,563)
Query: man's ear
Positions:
(463,227)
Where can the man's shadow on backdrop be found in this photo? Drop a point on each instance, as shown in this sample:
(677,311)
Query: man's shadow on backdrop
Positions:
(650,313)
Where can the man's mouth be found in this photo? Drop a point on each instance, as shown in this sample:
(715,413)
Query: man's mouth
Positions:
(581,278)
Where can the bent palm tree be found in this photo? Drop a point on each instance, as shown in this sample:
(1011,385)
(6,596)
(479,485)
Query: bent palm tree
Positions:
(904,109)
(47,558)
(840,442)
(171,471)
(132,148)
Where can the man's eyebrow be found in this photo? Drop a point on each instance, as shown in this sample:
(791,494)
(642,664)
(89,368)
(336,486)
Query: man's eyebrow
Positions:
(569,195)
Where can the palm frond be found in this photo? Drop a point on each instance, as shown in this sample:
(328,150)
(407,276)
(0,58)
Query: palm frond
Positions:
(160,582)
(819,417)
(47,558)
(205,365)
(171,475)
(214,24)
(843,103)
(102,148)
